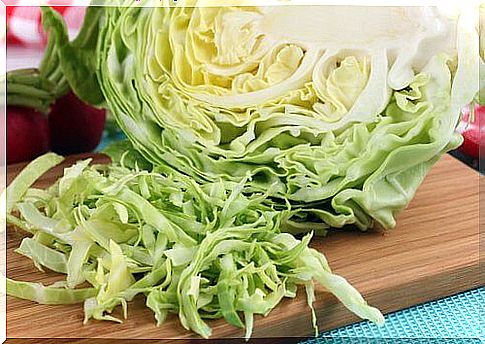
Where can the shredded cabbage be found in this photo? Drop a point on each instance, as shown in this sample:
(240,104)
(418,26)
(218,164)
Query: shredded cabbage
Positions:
(200,251)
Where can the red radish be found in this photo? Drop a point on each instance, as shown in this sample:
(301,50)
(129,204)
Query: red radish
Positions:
(75,127)
(27,134)
(471,132)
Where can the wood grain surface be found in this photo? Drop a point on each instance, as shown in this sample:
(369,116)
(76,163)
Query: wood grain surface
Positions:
(432,253)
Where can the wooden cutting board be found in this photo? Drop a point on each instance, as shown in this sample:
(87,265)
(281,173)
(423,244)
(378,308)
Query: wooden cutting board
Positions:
(432,253)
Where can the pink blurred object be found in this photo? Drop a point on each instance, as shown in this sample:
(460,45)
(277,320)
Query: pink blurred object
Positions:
(24,25)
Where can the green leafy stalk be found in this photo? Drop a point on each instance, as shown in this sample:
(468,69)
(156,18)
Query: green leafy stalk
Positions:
(62,65)
(77,60)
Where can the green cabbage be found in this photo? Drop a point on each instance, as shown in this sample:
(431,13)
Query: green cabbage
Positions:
(342,126)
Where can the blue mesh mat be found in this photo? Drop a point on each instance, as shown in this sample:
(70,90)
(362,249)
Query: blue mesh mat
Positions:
(454,319)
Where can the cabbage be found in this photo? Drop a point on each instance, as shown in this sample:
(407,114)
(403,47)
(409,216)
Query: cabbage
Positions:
(340,121)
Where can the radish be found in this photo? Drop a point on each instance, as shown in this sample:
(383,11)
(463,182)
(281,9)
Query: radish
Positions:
(27,134)
(471,132)
(75,127)
(69,126)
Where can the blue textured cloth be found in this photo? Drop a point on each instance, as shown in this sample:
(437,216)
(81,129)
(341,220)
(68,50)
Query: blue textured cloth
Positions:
(455,319)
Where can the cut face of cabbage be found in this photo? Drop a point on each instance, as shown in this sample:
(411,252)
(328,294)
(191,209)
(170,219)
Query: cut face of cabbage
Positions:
(240,57)
(337,111)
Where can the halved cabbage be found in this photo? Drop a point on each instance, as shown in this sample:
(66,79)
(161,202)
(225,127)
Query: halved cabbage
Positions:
(340,118)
